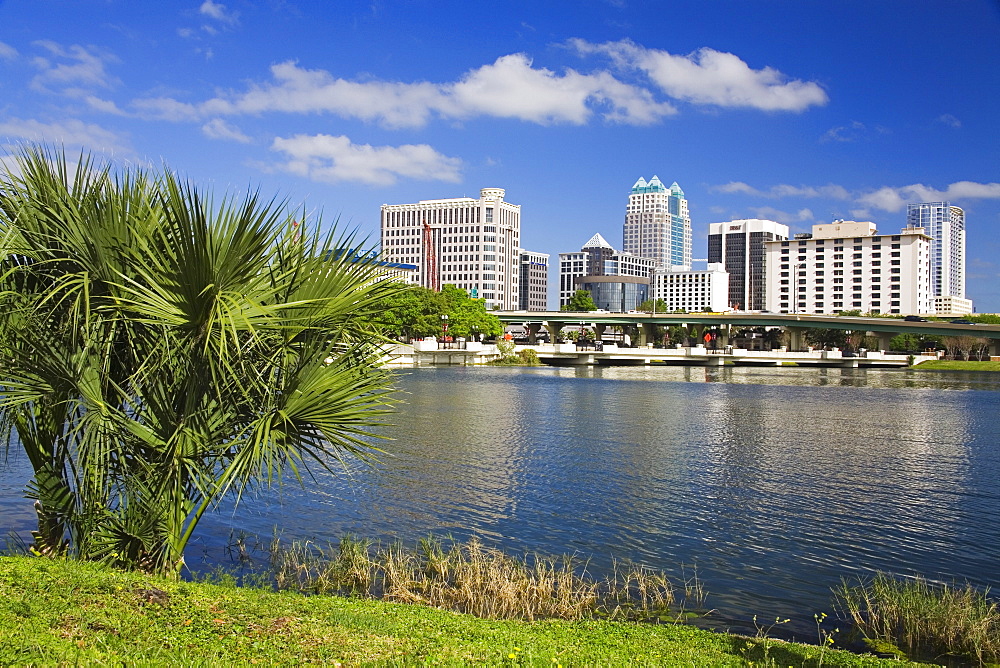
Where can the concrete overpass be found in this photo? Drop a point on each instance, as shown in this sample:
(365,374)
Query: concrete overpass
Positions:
(696,324)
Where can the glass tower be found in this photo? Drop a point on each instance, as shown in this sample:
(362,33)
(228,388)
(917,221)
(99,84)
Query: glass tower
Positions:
(945,224)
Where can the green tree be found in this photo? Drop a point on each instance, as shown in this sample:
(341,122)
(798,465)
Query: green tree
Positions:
(580,301)
(467,316)
(160,352)
(413,313)
(416,312)
(647,306)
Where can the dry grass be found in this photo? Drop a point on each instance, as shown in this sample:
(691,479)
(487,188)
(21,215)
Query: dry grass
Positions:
(924,619)
(483,581)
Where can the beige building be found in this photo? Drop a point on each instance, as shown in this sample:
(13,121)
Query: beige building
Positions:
(473,244)
(848,265)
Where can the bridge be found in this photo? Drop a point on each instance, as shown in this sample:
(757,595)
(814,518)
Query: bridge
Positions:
(696,324)
(429,352)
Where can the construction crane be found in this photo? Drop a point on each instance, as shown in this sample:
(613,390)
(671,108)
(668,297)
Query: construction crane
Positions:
(432,275)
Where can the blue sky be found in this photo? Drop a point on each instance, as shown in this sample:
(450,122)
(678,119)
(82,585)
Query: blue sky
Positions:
(797,111)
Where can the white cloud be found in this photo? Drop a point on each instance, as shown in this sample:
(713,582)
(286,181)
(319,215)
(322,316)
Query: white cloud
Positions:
(711,77)
(894,199)
(330,159)
(71,133)
(831,191)
(885,198)
(82,66)
(166,109)
(102,105)
(511,88)
(219,129)
(7,52)
(949,120)
(297,90)
(845,133)
(218,12)
(785,217)
(508,88)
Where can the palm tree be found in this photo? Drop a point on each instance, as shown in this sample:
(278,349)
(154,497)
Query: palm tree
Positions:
(160,352)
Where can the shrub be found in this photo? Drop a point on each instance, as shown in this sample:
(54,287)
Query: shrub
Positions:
(529,357)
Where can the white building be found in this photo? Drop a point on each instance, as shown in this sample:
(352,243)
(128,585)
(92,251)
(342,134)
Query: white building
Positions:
(473,244)
(847,265)
(692,290)
(533,282)
(657,224)
(598,268)
(739,246)
(946,226)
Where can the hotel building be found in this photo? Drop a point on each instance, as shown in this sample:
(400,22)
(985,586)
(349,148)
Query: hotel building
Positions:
(692,290)
(739,246)
(657,224)
(473,244)
(847,265)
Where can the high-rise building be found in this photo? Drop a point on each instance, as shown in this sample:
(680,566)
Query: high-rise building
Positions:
(473,244)
(533,281)
(739,246)
(617,281)
(846,266)
(946,226)
(657,224)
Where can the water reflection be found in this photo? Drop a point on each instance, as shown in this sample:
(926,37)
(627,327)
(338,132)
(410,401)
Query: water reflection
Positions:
(774,482)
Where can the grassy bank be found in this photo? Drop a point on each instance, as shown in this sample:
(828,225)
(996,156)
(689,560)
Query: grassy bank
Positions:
(956,365)
(58,612)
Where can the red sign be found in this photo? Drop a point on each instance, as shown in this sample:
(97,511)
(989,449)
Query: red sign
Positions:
(707,337)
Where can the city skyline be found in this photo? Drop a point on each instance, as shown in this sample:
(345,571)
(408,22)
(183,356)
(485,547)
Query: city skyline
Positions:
(794,112)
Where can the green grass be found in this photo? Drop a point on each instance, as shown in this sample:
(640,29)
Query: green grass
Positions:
(56,612)
(957,365)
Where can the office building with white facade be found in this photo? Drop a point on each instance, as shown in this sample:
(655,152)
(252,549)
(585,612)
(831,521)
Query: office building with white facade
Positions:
(533,282)
(693,290)
(473,244)
(739,245)
(848,265)
(657,223)
(946,226)
(617,281)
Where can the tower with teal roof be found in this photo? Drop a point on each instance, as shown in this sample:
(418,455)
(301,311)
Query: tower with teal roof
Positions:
(657,223)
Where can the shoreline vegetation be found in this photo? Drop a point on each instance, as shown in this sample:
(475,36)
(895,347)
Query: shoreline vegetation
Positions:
(453,603)
(56,611)
(957,365)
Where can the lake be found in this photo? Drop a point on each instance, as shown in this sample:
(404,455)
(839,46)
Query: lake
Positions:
(774,483)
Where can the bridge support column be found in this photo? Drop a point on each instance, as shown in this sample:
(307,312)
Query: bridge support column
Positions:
(647,333)
(995,347)
(554,328)
(533,329)
(796,338)
(724,333)
(599,331)
(883,340)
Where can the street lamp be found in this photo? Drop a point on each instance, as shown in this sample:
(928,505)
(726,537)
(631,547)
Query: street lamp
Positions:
(444,327)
